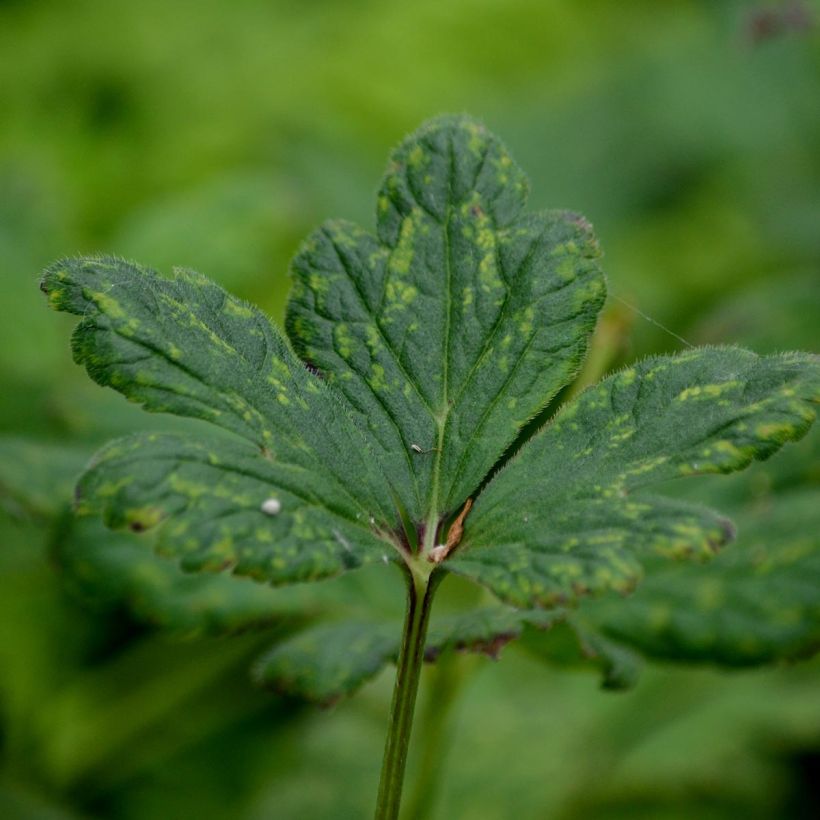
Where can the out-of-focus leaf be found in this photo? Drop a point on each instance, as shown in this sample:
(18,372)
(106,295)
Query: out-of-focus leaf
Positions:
(329,661)
(574,643)
(758,602)
(119,569)
(38,478)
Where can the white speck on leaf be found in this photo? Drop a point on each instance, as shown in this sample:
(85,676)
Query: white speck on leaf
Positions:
(271,506)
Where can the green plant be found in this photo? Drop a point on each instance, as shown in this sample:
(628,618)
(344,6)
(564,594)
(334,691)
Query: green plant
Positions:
(395,424)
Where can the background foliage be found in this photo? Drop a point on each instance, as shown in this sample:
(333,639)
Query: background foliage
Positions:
(215,136)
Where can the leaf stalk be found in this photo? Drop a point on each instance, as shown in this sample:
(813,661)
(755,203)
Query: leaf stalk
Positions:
(421,587)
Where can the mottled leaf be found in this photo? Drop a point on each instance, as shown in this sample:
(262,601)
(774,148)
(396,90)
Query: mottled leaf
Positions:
(229,508)
(560,519)
(183,345)
(458,320)
(426,348)
(758,602)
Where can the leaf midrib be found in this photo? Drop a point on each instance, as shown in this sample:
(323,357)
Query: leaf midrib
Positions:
(442,416)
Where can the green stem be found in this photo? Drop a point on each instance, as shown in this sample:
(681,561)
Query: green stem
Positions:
(436,727)
(421,587)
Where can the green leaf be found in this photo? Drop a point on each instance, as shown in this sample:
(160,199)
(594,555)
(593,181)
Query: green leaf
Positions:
(758,602)
(329,661)
(117,569)
(184,346)
(120,570)
(559,520)
(458,321)
(217,494)
(37,479)
(436,341)
(577,643)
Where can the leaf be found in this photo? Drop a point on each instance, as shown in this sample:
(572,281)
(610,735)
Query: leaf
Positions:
(329,661)
(559,520)
(116,569)
(216,493)
(620,667)
(577,643)
(184,346)
(436,341)
(757,603)
(458,321)
(36,478)
(120,570)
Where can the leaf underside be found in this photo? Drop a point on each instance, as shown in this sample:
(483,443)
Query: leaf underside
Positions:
(424,348)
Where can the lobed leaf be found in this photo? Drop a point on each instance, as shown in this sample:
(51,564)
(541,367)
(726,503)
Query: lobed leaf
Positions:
(426,349)
(212,498)
(757,603)
(458,320)
(185,346)
(559,520)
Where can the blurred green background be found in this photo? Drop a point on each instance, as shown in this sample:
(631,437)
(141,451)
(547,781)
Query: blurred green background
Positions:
(215,135)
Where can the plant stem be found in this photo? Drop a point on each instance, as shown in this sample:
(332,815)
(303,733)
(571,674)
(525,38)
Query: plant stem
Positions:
(436,728)
(421,587)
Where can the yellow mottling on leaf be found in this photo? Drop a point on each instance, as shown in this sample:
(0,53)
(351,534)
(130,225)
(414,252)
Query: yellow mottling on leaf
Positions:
(343,339)
(143,517)
(318,283)
(377,380)
(417,158)
(237,309)
(402,257)
(566,270)
(477,139)
(108,305)
(779,431)
(708,391)
(525,324)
